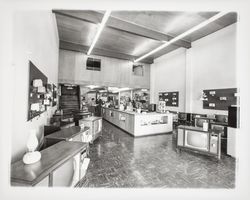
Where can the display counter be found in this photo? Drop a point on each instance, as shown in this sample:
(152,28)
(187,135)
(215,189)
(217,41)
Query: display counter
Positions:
(60,165)
(74,133)
(139,124)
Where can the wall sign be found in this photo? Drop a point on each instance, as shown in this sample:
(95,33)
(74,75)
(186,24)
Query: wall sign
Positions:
(220,99)
(170,98)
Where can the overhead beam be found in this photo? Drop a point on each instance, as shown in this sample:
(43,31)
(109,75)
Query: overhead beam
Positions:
(100,52)
(121,25)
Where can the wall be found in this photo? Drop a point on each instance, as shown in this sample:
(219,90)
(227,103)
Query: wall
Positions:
(35,38)
(209,64)
(168,74)
(213,66)
(114,72)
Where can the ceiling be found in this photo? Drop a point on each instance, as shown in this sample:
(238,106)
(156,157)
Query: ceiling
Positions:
(130,34)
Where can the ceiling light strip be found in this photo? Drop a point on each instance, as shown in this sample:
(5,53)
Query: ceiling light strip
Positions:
(101,26)
(181,36)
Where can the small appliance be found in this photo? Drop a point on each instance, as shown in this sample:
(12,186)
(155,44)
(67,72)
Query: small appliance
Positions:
(152,107)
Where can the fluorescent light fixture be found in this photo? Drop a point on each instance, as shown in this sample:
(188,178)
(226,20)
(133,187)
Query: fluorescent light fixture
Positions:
(124,89)
(113,88)
(195,28)
(101,26)
(92,86)
(116,89)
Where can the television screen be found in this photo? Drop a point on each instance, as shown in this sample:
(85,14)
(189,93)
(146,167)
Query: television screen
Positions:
(196,140)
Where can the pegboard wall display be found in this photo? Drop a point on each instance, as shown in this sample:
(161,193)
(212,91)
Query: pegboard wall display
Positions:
(220,99)
(170,98)
(37,91)
(41,93)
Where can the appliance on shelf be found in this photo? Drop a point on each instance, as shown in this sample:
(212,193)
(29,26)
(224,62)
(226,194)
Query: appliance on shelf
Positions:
(162,106)
(94,124)
(152,107)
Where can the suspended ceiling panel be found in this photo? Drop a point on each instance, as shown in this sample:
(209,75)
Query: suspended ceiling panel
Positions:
(131,34)
(126,43)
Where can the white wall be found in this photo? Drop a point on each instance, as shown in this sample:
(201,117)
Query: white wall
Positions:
(209,64)
(213,65)
(114,72)
(35,38)
(168,74)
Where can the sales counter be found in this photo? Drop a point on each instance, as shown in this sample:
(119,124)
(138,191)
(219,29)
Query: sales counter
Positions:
(139,124)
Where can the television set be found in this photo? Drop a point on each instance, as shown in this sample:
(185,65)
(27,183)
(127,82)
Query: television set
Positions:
(198,140)
(199,122)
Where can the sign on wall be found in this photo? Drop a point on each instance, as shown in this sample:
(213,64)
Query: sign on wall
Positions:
(170,98)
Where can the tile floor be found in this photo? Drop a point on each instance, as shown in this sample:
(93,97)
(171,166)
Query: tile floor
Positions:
(120,160)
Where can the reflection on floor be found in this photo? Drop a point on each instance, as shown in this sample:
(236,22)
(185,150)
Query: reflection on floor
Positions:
(119,160)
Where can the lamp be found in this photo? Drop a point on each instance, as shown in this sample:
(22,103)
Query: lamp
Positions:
(32,155)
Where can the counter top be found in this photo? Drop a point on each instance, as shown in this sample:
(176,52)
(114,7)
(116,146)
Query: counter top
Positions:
(219,123)
(204,117)
(92,118)
(135,113)
(51,159)
(67,133)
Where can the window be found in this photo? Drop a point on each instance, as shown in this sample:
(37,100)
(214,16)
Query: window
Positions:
(138,70)
(93,64)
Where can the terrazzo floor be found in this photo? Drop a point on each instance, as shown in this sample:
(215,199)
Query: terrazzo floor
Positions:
(122,161)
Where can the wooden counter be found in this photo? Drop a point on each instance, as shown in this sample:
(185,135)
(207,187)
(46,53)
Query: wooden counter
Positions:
(139,124)
(65,134)
(51,158)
